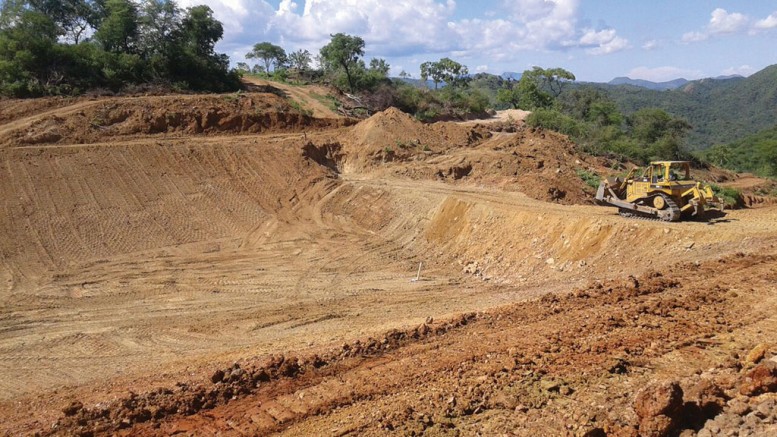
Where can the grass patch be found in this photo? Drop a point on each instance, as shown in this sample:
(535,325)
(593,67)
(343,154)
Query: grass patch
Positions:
(590,178)
(328,101)
(729,196)
(301,109)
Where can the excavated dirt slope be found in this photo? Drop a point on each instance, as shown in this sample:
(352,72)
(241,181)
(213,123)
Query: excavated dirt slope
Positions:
(138,264)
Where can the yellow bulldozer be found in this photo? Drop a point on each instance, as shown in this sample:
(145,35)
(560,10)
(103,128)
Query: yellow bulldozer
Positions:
(664,191)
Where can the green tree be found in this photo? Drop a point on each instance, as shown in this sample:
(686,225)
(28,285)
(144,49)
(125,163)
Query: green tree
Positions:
(591,105)
(27,46)
(509,95)
(344,51)
(201,30)
(380,66)
(445,71)
(300,59)
(118,32)
(531,96)
(720,155)
(73,17)
(269,53)
(193,62)
(159,22)
(658,132)
(554,79)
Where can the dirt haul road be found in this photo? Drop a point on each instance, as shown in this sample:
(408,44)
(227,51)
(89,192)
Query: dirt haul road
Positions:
(239,229)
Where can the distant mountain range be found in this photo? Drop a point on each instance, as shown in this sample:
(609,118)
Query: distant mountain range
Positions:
(659,86)
(662,86)
(721,110)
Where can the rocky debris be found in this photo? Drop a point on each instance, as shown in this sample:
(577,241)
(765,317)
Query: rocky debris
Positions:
(73,408)
(708,397)
(761,379)
(756,354)
(530,366)
(658,406)
(232,383)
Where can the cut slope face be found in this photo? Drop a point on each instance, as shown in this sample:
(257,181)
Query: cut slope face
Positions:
(73,205)
(123,117)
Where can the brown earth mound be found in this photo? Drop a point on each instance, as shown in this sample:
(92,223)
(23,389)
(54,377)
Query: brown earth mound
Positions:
(13,109)
(542,164)
(392,135)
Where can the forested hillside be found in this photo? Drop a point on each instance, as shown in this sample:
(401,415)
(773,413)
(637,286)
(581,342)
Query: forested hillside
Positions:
(719,111)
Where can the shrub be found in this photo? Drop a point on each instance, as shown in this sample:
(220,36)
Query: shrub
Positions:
(591,179)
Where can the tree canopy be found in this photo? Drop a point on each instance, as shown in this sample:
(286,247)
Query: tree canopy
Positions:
(69,46)
(445,71)
(269,53)
(343,52)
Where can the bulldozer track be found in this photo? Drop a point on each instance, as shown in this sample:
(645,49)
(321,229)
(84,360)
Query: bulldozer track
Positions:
(674,215)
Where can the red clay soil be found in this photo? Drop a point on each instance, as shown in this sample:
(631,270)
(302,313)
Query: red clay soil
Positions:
(565,364)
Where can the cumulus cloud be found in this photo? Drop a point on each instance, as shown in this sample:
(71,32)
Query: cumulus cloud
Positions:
(694,37)
(405,28)
(650,45)
(663,74)
(724,22)
(602,42)
(769,22)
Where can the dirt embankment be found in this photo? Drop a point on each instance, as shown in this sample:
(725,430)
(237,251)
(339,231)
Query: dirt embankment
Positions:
(127,117)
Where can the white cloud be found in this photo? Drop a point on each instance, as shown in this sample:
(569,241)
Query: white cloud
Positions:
(744,70)
(546,22)
(408,28)
(769,22)
(602,42)
(481,68)
(694,37)
(723,22)
(663,74)
(650,45)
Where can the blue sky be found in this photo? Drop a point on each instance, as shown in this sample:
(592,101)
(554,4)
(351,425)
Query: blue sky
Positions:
(655,40)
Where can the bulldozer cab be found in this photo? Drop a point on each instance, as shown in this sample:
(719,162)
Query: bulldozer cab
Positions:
(666,171)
